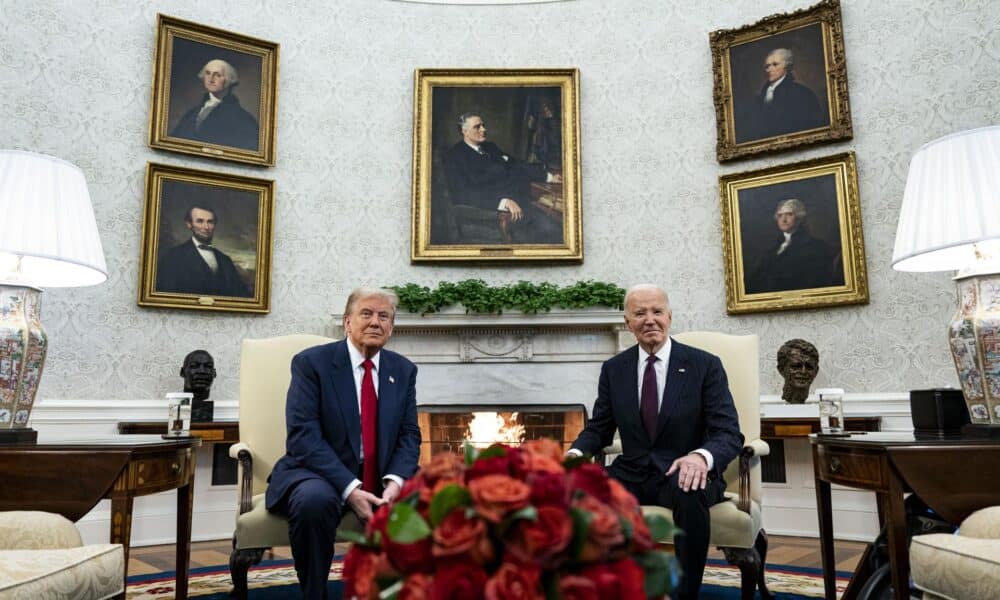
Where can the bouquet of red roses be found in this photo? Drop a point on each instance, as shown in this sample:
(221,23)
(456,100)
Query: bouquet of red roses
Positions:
(511,523)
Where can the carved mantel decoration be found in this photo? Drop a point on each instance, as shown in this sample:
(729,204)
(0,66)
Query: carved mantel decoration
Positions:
(453,336)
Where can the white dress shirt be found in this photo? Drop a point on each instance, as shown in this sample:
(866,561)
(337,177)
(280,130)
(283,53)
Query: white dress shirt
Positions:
(358,370)
(207,254)
(769,94)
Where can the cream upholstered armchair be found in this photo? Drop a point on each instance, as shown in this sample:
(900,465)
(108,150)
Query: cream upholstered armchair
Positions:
(265,372)
(966,565)
(737,528)
(43,556)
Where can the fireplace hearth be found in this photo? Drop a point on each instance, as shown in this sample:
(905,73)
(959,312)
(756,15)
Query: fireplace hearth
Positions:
(447,427)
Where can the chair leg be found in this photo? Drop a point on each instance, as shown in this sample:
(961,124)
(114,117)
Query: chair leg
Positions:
(760,545)
(240,562)
(751,570)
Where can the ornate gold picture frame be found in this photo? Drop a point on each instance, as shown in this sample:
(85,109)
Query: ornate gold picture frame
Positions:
(206,240)
(791,236)
(214,93)
(781,83)
(496,165)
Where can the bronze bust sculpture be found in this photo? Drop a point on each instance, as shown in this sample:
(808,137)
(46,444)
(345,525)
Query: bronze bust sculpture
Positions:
(198,372)
(798,363)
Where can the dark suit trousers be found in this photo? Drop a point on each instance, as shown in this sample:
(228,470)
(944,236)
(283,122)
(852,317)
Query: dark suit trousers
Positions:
(313,508)
(690,514)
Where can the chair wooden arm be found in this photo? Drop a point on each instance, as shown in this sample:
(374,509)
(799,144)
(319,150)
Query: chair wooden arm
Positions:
(242,453)
(755,448)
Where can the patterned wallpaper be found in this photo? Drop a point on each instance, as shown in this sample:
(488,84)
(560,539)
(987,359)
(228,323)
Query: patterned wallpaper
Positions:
(75,80)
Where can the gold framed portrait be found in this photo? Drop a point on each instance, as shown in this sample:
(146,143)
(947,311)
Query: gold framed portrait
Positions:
(791,236)
(496,165)
(206,240)
(781,83)
(214,93)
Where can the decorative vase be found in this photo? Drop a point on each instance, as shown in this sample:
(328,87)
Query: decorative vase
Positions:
(974,339)
(23,345)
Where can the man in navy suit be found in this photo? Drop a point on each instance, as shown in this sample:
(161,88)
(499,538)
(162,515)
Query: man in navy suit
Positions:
(196,266)
(672,408)
(320,476)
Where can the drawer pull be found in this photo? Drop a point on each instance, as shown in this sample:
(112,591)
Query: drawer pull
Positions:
(834,464)
(175,467)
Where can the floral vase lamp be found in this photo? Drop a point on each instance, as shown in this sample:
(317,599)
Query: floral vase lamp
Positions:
(950,221)
(48,238)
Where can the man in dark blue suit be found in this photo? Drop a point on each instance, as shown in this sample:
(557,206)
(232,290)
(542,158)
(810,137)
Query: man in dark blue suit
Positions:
(672,408)
(320,476)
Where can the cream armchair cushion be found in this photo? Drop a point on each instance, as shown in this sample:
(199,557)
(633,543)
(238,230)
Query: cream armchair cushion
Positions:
(965,566)
(43,556)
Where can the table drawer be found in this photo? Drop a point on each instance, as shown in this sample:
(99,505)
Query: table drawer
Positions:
(160,471)
(852,467)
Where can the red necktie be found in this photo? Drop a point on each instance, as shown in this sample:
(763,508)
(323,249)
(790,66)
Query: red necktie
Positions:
(648,404)
(369,430)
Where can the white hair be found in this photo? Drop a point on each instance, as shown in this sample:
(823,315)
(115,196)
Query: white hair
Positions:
(785,55)
(232,77)
(369,292)
(793,203)
(646,287)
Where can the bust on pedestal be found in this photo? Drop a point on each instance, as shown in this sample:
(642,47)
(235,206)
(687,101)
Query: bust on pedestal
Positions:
(198,372)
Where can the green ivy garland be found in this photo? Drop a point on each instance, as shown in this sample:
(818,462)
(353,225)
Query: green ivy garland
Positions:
(478,297)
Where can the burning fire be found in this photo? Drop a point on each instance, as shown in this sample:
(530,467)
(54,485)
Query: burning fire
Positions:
(489,427)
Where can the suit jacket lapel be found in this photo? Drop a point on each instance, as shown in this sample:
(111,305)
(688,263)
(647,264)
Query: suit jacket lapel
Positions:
(676,378)
(630,367)
(347,395)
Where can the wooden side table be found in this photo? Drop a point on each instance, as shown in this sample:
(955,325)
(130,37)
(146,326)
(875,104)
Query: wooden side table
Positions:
(71,477)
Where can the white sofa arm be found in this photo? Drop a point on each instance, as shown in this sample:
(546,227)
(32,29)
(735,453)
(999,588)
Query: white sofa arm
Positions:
(234,450)
(37,530)
(759,447)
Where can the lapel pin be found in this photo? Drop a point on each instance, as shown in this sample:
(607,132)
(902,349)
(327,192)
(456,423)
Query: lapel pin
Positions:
(681,371)
(392,379)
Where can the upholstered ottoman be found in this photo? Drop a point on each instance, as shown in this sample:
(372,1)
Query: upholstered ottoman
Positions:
(43,557)
(960,567)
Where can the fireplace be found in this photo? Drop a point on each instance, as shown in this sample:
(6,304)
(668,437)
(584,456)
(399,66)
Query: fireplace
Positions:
(446,427)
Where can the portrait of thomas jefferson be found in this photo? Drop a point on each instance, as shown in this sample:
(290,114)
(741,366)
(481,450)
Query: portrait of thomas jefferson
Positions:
(791,242)
(779,85)
(214,96)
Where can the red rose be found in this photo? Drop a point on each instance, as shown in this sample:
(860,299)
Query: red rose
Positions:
(494,465)
(548,489)
(378,522)
(642,538)
(413,484)
(515,582)
(604,533)
(496,495)
(409,558)
(592,479)
(520,462)
(416,587)
(359,574)
(621,579)
(455,580)
(577,587)
(458,536)
(540,542)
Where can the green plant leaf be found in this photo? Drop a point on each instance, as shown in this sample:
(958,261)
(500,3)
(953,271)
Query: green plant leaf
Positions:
(528,513)
(661,528)
(406,525)
(470,453)
(478,297)
(663,572)
(572,462)
(581,525)
(357,537)
(492,452)
(448,498)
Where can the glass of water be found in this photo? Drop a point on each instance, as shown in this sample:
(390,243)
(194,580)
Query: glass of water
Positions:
(831,410)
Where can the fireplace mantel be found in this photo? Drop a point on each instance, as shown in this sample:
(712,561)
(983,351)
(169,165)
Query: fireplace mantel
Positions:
(454,336)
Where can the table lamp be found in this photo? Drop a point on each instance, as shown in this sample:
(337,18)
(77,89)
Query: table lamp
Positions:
(950,220)
(48,238)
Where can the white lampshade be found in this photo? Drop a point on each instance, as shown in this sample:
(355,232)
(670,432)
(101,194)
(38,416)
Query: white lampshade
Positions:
(952,201)
(47,221)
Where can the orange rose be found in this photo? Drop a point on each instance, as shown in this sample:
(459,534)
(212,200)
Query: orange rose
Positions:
(544,447)
(604,533)
(457,536)
(444,465)
(642,538)
(545,464)
(621,499)
(496,495)
(515,582)
(540,542)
